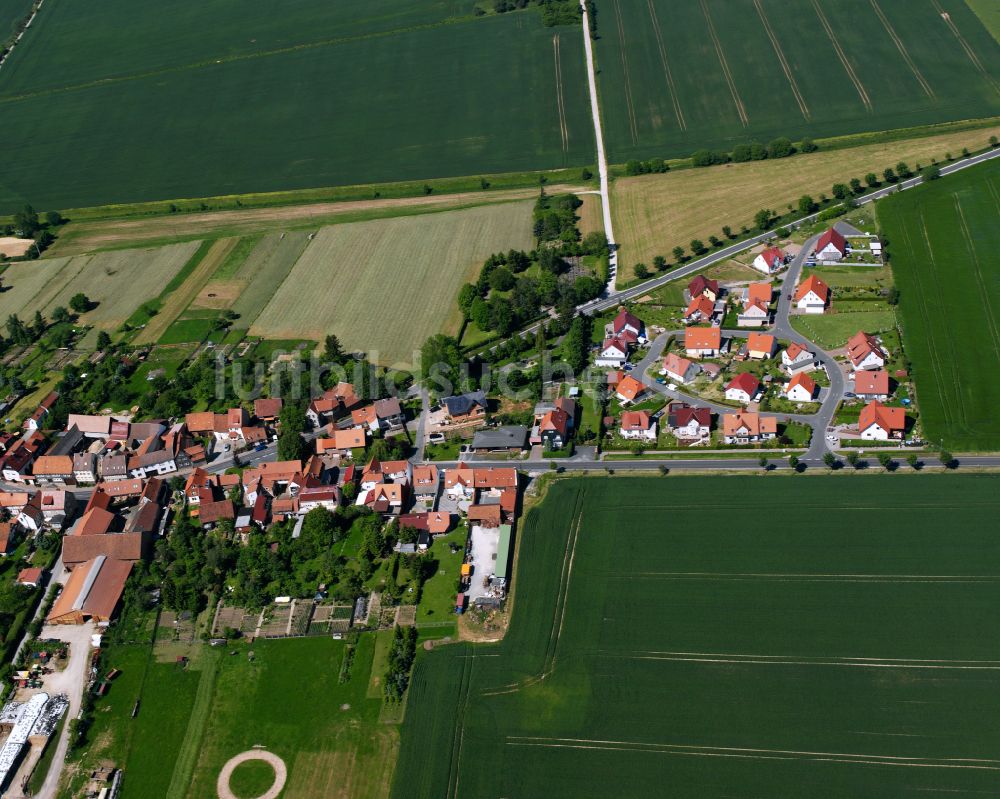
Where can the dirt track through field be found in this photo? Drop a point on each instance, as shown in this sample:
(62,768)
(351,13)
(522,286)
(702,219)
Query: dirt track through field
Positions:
(965,46)
(186,292)
(667,73)
(560,103)
(902,48)
(776,45)
(862,92)
(628,83)
(737,100)
(280,773)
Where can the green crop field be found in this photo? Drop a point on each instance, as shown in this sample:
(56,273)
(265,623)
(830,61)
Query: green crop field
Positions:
(662,646)
(944,240)
(679,76)
(11,13)
(383,286)
(119,102)
(832,330)
(118,282)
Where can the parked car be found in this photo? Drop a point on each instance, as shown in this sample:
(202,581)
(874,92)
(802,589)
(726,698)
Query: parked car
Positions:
(436,438)
(661,380)
(672,386)
(260,446)
(850,395)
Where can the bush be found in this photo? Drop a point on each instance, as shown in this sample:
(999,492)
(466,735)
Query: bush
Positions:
(708,158)
(807,145)
(780,148)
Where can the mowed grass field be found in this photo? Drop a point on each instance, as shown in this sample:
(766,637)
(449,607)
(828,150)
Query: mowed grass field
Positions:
(118,282)
(289,699)
(654,213)
(713,73)
(120,103)
(662,647)
(384,286)
(943,241)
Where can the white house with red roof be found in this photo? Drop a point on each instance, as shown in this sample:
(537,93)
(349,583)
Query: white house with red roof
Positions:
(700,309)
(812,295)
(637,426)
(614,352)
(743,388)
(629,390)
(879,422)
(832,246)
(702,342)
(801,388)
(872,385)
(754,314)
(796,358)
(761,346)
(865,352)
(771,260)
(625,322)
(678,369)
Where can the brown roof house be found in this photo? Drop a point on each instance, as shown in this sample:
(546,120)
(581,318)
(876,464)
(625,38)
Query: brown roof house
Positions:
(92,592)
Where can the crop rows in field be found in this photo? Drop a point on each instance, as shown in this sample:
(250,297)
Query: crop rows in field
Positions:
(656,641)
(121,103)
(713,73)
(944,240)
(383,286)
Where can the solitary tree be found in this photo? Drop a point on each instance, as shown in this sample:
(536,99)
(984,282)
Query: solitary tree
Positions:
(830,460)
(947,459)
(678,252)
(914,461)
(727,231)
(60,314)
(659,263)
(885,459)
(641,270)
(871,179)
(103,340)
(53,218)
(807,145)
(715,241)
(840,190)
(932,172)
(853,459)
(889,174)
(697,246)
(763,462)
(903,170)
(79,302)
(806,204)
(856,186)
(793,461)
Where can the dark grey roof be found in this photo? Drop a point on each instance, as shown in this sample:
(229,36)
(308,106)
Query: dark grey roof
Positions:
(464,403)
(511,437)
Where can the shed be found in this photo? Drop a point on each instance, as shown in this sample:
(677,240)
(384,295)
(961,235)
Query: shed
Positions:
(503,553)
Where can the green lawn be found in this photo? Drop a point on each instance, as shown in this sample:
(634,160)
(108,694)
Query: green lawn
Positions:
(655,643)
(831,330)
(672,83)
(322,94)
(944,239)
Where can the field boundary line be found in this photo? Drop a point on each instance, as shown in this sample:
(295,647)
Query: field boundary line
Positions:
(902,48)
(862,92)
(560,104)
(460,728)
(633,130)
(984,293)
(781,59)
(819,658)
(667,73)
(737,100)
(973,57)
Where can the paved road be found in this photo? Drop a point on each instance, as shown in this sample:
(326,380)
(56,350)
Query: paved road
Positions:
(777,461)
(602,161)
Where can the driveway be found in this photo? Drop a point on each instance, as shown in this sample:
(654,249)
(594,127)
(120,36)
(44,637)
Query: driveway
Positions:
(70,681)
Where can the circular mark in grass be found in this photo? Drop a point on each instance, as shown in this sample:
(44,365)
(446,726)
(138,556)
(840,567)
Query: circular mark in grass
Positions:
(255,774)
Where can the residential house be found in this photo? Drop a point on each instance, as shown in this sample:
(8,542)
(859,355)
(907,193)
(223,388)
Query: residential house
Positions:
(801,388)
(34,422)
(30,577)
(112,467)
(425,482)
(744,388)
(629,390)
(431,522)
(865,352)
(85,467)
(13,501)
(678,369)
(377,471)
(485,516)
(702,286)
(459,483)
(324,496)
(155,463)
(761,346)
(333,403)
(553,429)
(614,352)
(268,409)
(9,534)
(796,358)
(17,461)
(744,427)
(465,408)
(879,422)
(700,309)
(812,295)
(56,505)
(342,442)
(625,323)
(771,260)
(637,426)
(52,469)
(688,423)
(383,414)
(754,314)
(832,246)
(703,342)
(511,439)
(872,385)
(386,499)
(212,512)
